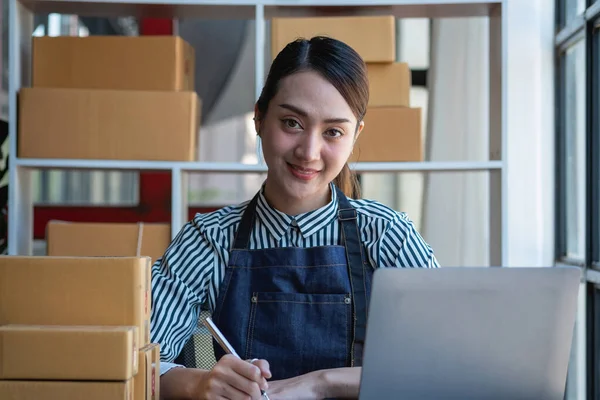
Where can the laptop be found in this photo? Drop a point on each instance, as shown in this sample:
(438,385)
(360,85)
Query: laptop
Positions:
(469,333)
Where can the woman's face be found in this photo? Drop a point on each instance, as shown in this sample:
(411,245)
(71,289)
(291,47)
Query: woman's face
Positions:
(308,134)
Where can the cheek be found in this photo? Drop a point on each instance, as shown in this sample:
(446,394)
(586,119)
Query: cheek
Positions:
(275,143)
(337,154)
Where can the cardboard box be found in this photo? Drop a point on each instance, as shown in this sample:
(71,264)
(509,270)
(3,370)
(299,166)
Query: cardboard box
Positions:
(391,134)
(374,38)
(81,239)
(108,124)
(389,85)
(55,352)
(65,390)
(147,381)
(111,291)
(113,62)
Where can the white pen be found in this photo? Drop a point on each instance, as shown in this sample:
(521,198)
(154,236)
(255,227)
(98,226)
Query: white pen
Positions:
(225,345)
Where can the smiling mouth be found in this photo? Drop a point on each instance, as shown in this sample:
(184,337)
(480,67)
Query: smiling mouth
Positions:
(302,173)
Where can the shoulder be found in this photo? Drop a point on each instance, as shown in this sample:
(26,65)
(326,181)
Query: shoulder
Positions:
(381,221)
(221,219)
(209,229)
(399,242)
(372,210)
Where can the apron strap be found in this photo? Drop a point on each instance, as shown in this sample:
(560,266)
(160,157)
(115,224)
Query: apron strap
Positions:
(356,270)
(242,236)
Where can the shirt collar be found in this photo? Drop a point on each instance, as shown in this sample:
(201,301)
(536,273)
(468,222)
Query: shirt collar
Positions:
(278,223)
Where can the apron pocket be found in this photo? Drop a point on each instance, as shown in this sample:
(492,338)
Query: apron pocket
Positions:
(299,332)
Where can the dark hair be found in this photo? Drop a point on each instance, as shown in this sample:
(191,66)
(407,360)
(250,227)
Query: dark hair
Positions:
(341,66)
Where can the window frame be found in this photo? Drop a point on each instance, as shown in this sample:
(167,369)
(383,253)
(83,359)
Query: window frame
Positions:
(594,144)
(593,342)
(581,27)
(561,148)
(560,156)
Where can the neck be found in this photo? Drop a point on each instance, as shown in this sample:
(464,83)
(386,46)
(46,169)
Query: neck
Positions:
(293,205)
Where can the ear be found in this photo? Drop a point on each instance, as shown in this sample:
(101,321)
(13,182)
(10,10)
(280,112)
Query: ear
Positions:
(358,131)
(256,119)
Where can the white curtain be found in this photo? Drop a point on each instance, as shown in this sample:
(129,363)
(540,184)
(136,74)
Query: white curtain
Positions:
(228,135)
(455,217)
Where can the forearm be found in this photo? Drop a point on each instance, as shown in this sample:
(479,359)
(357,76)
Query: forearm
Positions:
(340,383)
(181,383)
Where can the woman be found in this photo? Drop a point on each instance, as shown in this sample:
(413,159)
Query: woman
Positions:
(287,274)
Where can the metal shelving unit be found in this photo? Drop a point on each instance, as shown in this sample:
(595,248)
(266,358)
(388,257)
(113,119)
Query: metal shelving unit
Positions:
(20,218)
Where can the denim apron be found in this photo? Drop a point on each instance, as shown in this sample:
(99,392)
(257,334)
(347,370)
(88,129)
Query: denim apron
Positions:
(301,309)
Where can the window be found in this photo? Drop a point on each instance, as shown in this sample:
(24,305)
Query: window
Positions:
(573,8)
(578,180)
(568,10)
(574,184)
(595,145)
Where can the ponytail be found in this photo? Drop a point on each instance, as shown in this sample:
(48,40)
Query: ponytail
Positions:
(348,182)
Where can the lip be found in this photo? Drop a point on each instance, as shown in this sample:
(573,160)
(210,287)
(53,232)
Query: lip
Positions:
(305,174)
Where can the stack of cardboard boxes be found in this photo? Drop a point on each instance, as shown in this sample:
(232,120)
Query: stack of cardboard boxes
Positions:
(111,98)
(76,324)
(392,128)
(133,98)
(76,328)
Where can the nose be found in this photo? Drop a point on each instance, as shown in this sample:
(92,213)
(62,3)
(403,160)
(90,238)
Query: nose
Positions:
(308,147)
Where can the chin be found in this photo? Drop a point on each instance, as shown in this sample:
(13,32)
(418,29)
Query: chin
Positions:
(300,190)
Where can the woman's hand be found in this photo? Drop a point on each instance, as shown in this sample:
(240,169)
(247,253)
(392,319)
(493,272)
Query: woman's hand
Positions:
(338,383)
(304,387)
(231,379)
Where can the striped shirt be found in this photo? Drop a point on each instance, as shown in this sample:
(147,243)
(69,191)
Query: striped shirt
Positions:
(191,270)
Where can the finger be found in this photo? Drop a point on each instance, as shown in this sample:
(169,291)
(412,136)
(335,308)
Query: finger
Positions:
(264,367)
(224,374)
(233,393)
(216,388)
(251,372)
(241,385)
(241,374)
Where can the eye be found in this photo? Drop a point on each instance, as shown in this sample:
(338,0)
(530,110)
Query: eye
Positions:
(334,133)
(291,123)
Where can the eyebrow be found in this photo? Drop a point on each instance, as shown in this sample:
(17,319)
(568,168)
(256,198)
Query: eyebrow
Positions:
(303,113)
